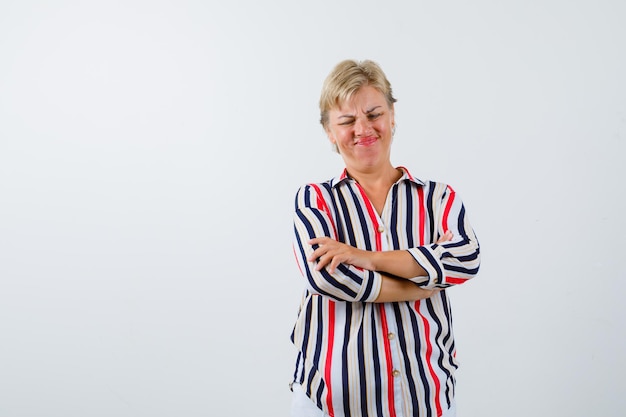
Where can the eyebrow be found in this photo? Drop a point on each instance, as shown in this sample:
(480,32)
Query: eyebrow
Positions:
(350,116)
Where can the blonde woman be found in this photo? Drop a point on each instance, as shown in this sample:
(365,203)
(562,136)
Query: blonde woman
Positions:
(378,250)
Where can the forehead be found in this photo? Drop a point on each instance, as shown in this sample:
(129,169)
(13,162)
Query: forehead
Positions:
(362,100)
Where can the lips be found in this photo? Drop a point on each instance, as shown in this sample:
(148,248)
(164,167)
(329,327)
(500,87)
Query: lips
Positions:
(366,141)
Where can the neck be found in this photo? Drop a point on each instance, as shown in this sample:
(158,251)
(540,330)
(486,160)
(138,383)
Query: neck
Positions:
(384,177)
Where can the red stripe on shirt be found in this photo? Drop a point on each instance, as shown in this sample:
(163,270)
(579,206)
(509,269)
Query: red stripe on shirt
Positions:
(406,171)
(373,217)
(446,211)
(422,215)
(321,203)
(453,280)
(383,319)
(429,352)
(296,256)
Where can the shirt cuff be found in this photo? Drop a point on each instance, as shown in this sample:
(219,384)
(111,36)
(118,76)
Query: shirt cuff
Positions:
(429,258)
(371,290)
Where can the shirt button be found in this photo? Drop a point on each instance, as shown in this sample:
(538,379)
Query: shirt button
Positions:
(381,229)
(390,336)
(395,373)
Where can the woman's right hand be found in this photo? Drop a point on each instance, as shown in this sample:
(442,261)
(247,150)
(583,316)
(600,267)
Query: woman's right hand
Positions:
(445,238)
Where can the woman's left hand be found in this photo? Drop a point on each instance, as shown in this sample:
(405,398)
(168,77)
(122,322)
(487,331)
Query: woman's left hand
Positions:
(332,253)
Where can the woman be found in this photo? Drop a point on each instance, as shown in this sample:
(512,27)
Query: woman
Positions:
(378,249)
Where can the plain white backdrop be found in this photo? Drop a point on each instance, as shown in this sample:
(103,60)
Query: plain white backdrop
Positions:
(149,156)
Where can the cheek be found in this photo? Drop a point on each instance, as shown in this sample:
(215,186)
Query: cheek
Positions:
(338,136)
(386,127)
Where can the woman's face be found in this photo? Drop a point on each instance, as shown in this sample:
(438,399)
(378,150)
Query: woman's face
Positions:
(362,129)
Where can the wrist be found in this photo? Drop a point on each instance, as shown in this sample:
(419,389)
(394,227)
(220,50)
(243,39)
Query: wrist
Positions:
(374,261)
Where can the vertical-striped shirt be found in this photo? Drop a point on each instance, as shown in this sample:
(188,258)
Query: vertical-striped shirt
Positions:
(360,358)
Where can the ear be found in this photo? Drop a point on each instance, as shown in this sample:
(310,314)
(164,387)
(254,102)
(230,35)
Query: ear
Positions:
(330,135)
(332,140)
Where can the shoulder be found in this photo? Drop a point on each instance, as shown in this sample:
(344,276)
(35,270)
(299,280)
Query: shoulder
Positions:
(435,192)
(428,184)
(418,182)
(314,187)
(313,191)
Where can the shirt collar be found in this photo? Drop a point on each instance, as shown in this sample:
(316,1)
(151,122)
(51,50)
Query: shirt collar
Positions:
(406,176)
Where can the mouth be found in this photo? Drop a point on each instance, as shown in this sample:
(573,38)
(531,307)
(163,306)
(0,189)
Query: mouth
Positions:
(366,141)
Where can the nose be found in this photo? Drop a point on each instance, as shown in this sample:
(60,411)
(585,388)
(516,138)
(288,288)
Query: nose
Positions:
(361,127)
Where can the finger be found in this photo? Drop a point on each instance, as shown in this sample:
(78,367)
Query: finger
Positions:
(322,262)
(317,253)
(321,249)
(333,265)
(319,240)
(446,237)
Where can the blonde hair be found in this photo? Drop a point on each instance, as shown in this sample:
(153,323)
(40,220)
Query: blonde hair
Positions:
(347,78)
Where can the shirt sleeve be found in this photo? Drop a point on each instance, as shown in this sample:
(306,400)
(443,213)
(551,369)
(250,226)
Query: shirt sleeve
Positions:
(313,219)
(454,262)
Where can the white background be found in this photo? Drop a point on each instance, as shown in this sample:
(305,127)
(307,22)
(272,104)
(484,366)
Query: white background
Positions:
(149,156)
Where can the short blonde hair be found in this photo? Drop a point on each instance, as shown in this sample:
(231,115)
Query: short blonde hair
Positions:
(347,78)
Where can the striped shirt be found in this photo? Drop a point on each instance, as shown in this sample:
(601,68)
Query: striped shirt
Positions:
(359,358)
